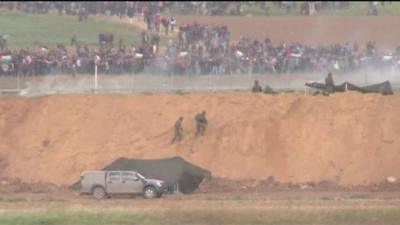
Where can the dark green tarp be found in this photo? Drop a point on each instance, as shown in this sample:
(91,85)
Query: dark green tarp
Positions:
(174,171)
(384,88)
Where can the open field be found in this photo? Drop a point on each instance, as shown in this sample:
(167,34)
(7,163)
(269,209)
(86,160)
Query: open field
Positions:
(205,216)
(271,208)
(28,30)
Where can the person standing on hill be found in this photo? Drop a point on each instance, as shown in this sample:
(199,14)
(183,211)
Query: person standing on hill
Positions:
(201,123)
(120,43)
(165,23)
(172,23)
(73,39)
(329,84)
(257,87)
(157,22)
(178,130)
(155,40)
(238,5)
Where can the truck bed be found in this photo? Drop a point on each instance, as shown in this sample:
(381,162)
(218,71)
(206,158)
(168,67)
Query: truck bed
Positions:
(92,177)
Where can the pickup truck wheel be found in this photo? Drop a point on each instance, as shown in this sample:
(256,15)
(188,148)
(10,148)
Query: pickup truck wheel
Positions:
(99,193)
(150,192)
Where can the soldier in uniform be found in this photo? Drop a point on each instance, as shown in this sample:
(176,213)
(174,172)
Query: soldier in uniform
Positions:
(178,130)
(257,87)
(329,84)
(201,123)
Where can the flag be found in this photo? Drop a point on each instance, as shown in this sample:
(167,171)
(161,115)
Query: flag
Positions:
(5,58)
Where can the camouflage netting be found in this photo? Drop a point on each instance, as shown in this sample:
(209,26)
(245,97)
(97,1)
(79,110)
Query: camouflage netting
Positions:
(384,88)
(174,171)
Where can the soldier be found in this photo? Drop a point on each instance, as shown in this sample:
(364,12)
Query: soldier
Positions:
(178,130)
(201,122)
(329,84)
(257,87)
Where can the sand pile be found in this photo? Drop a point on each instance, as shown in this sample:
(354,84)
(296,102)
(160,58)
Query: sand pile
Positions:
(350,138)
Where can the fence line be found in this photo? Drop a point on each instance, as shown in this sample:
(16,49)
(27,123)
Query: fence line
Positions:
(128,83)
(52,91)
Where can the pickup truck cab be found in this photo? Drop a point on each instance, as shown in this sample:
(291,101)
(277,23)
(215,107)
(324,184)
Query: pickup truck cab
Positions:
(105,183)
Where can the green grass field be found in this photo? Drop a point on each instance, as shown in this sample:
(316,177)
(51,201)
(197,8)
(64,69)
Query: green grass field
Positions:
(204,216)
(27,30)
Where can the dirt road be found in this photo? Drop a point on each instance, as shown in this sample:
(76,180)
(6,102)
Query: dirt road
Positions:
(301,199)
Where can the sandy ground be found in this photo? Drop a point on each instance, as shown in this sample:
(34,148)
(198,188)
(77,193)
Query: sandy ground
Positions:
(349,138)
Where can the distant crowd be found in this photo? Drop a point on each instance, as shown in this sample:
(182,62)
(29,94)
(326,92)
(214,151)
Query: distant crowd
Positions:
(119,8)
(198,49)
(131,8)
(214,53)
(84,9)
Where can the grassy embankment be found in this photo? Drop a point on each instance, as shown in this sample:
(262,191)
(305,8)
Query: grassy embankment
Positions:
(28,30)
(189,216)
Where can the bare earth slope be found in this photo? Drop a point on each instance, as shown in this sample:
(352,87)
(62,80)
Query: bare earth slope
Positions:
(350,137)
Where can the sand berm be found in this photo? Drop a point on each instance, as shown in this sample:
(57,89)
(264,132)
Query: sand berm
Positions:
(349,137)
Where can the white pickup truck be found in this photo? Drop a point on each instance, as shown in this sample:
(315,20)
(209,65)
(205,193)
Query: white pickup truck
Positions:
(105,183)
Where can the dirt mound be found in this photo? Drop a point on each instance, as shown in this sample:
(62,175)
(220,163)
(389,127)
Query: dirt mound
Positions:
(223,185)
(15,185)
(313,31)
(349,138)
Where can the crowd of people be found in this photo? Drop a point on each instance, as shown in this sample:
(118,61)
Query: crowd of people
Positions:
(109,8)
(206,50)
(131,8)
(198,49)
(58,60)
